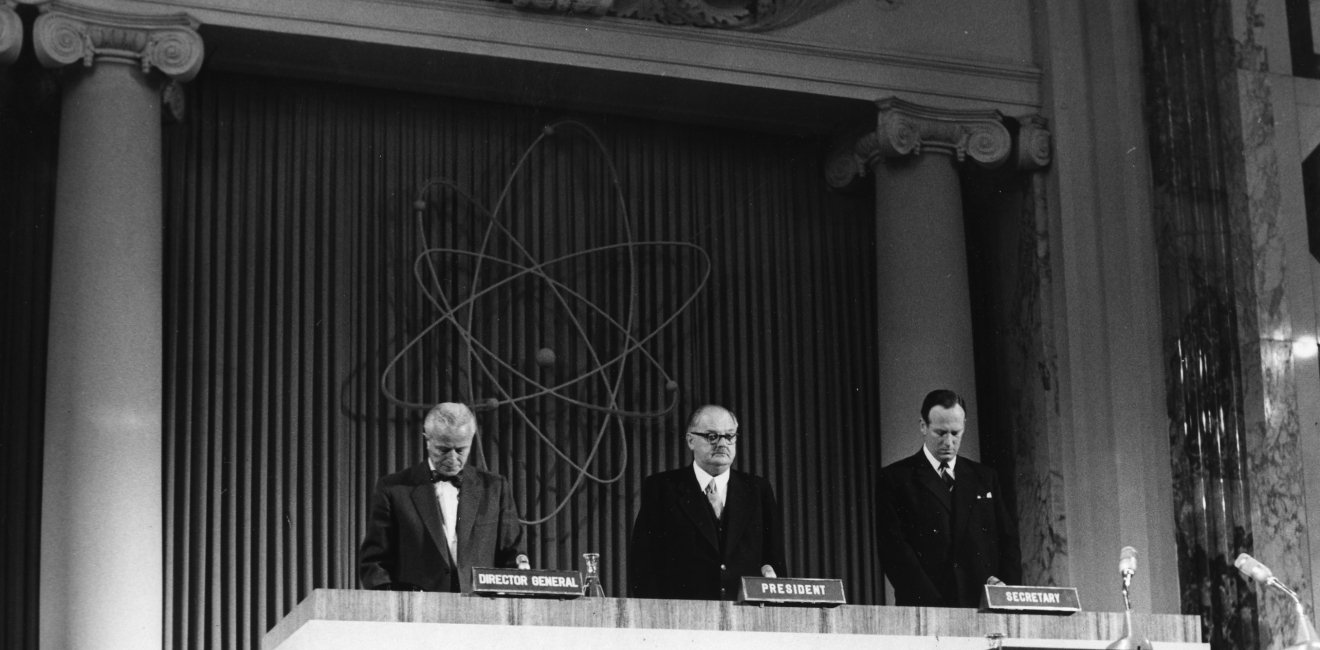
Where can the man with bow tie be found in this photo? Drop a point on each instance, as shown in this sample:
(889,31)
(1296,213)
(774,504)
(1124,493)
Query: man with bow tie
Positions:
(702,527)
(430,524)
(942,524)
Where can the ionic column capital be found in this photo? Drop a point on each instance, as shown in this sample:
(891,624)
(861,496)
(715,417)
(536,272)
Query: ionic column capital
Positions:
(11,33)
(907,129)
(67,33)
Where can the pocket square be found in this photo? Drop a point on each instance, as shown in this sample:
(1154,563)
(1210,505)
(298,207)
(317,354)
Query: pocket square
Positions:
(987,496)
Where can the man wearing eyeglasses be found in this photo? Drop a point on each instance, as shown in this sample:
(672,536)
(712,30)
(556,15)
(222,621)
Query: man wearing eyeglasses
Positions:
(702,527)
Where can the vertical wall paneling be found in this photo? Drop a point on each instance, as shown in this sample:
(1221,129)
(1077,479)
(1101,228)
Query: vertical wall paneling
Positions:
(294,279)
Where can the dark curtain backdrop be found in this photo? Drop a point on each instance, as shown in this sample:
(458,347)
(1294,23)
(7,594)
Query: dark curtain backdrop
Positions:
(293,279)
(29,129)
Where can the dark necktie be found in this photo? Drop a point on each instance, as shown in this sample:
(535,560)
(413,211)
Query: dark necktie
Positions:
(946,476)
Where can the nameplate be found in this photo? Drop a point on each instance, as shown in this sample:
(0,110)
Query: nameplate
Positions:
(516,582)
(1006,598)
(793,591)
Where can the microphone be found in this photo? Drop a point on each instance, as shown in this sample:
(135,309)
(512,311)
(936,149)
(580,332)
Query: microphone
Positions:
(1127,566)
(1131,639)
(1251,568)
(1127,561)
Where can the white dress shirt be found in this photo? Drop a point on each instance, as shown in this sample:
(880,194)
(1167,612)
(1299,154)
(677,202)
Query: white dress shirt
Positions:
(447,495)
(721,483)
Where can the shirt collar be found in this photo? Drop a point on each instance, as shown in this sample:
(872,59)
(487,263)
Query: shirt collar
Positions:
(935,462)
(704,477)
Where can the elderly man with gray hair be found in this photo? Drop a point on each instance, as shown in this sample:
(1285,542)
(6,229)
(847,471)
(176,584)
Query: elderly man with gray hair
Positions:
(430,524)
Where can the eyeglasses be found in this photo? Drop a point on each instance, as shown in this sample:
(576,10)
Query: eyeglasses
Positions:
(714,437)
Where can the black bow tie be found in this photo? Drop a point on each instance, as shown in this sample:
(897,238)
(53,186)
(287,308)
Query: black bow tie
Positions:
(455,480)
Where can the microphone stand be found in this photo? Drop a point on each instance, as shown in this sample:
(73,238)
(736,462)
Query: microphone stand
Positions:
(1305,637)
(1128,641)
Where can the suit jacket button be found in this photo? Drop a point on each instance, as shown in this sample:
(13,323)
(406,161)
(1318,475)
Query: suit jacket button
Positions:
(723,568)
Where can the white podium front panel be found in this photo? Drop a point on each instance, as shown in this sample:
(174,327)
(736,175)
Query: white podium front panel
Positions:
(366,620)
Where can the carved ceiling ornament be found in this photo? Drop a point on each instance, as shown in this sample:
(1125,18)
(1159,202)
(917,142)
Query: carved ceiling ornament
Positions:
(66,34)
(750,15)
(11,33)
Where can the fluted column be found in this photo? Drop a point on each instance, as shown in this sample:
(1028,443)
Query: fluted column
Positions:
(924,305)
(102,556)
(11,33)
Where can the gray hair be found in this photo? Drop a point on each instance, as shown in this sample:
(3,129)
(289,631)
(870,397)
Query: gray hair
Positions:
(449,416)
(704,409)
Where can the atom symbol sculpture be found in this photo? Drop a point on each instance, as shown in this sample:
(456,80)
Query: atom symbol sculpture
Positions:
(608,363)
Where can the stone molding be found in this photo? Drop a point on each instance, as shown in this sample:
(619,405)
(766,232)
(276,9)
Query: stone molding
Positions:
(751,15)
(66,33)
(906,129)
(592,7)
(11,33)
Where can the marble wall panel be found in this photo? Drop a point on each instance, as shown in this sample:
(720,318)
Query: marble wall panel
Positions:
(1274,448)
(1234,431)
(1195,150)
(1039,483)
(1012,288)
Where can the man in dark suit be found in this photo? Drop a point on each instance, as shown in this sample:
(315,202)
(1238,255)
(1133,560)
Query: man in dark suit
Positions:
(431,523)
(943,526)
(701,528)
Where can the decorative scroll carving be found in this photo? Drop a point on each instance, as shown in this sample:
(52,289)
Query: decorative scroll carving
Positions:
(752,15)
(847,164)
(1034,145)
(11,33)
(844,169)
(66,34)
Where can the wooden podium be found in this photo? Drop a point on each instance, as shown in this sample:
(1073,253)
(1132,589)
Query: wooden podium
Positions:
(330,619)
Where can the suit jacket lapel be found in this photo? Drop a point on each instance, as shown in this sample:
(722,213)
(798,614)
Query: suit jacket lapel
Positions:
(469,501)
(693,502)
(738,508)
(964,495)
(428,508)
